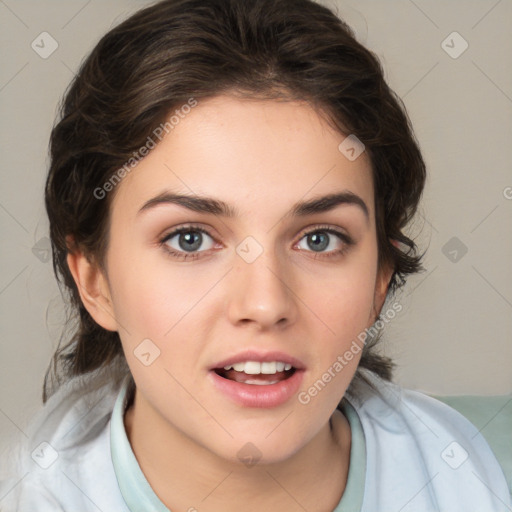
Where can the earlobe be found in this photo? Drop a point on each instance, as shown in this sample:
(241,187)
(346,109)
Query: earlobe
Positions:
(93,288)
(381,289)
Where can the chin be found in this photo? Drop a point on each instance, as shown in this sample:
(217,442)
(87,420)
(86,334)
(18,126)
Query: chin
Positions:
(259,450)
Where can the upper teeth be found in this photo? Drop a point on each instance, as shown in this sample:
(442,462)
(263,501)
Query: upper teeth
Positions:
(255,368)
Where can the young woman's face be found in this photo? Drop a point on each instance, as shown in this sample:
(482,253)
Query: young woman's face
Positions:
(263,271)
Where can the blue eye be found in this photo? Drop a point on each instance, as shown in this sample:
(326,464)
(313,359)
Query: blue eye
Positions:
(186,242)
(321,240)
(189,242)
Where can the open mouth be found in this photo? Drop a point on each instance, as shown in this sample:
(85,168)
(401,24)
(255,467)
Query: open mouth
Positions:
(263,384)
(256,373)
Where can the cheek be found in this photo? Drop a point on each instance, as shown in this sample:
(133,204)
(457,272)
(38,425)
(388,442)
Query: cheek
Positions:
(159,320)
(351,304)
(142,304)
(147,298)
(344,299)
(156,299)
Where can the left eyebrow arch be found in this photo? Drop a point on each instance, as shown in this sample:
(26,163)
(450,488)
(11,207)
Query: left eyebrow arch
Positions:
(329,202)
(195,203)
(213,206)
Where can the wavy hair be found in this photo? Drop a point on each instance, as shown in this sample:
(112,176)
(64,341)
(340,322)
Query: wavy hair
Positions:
(158,58)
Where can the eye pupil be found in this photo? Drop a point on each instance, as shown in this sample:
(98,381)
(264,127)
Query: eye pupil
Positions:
(190,241)
(318,241)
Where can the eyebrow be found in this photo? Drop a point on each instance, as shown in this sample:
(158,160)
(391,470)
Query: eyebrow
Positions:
(213,206)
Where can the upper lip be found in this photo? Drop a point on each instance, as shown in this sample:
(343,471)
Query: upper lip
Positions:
(261,357)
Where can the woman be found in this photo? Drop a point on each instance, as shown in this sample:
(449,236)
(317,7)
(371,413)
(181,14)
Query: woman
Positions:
(228,191)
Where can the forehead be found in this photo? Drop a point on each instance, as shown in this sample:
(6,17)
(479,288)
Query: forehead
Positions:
(255,154)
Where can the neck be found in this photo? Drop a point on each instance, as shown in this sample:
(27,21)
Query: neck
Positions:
(188,476)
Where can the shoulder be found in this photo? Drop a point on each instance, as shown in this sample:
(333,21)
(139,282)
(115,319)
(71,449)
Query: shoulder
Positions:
(16,496)
(422,454)
(65,460)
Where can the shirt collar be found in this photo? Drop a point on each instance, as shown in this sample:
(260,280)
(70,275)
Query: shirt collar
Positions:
(135,489)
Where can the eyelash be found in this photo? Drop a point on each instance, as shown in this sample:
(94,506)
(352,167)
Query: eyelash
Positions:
(347,241)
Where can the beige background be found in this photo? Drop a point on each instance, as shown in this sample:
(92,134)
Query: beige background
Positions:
(455,331)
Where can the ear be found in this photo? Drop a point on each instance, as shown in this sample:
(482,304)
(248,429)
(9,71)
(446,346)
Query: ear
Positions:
(382,281)
(93,288)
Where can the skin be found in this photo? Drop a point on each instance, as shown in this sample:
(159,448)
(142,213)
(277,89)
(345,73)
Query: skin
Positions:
(261,157)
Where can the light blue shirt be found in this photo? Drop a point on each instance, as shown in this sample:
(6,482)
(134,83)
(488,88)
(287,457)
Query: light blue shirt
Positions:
(409,453)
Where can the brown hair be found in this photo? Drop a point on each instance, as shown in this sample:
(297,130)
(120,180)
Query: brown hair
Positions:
(158,59)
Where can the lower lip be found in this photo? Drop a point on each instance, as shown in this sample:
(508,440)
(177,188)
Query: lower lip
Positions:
(252,395)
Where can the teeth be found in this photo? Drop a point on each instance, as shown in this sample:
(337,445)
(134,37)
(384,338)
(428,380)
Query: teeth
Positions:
(251,368)
(268,368)
(256,368)
(260,382)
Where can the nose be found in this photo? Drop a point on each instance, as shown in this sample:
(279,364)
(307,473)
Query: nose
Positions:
(261,293)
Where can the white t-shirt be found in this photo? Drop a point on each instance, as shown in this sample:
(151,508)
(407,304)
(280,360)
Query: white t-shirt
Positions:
(409,453)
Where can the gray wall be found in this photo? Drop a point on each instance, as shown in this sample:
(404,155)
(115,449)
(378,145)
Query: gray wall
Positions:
(454,333)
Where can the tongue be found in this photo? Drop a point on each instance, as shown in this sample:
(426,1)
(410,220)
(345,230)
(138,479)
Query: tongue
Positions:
(244,377)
